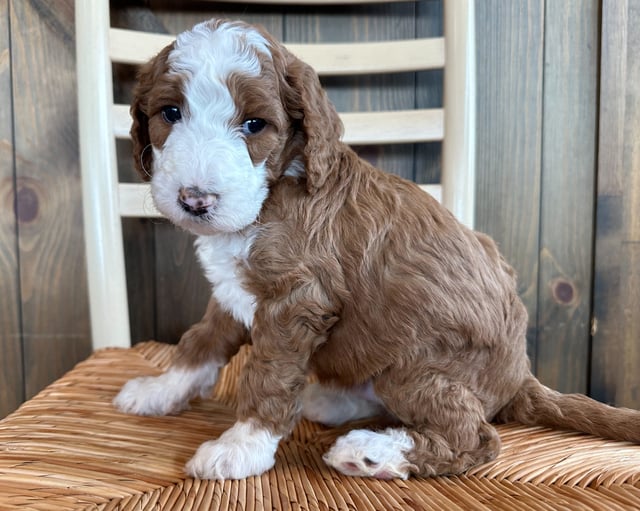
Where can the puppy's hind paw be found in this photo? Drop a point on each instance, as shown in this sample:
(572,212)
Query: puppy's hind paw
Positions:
(370,454)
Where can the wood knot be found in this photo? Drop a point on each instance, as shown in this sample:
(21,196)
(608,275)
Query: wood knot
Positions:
(27,204)
(564,292)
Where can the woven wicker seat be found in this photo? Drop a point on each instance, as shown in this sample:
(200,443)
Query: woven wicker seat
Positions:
(68,448)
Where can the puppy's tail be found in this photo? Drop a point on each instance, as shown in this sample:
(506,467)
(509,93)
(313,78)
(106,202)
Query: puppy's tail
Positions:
(537,405)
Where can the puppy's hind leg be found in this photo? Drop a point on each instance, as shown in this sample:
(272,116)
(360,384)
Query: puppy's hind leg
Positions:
(445,432)
(333,406)
(203,350)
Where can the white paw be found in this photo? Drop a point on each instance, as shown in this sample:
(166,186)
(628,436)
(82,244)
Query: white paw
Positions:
(332,407)
(371,454)
(168,393)
(244,450)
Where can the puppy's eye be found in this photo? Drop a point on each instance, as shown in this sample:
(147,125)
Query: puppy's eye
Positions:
(253,126)
(171,114)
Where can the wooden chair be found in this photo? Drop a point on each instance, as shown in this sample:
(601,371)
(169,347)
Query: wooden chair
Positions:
(68,448)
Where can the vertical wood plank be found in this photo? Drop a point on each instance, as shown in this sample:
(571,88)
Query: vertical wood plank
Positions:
(429,87)
(139,248)
(52,277)
(568,188)
(616,350)
(510,41)
(182,291)
(11,369)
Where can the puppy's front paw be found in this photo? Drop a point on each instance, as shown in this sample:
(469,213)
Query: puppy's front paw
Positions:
(244,450)
(148,395)
(369,454)
(168,393)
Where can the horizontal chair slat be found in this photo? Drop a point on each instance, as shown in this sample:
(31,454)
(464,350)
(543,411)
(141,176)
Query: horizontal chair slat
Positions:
(333,59)
(361,128)
(393,127)
(136,201)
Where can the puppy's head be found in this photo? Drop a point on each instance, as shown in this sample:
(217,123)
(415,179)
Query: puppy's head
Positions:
(222,114)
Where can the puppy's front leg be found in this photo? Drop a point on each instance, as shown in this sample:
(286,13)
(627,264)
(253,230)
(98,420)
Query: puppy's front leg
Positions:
(269,389)
(203,349)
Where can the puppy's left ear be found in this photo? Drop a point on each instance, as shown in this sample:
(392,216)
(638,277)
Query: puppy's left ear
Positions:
(147,77)
(308,104)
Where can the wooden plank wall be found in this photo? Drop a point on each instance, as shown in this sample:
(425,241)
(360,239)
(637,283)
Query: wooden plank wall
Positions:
(44,327)
(510,44)
(53,307)
(616,341)
(558,176)
(11,369)
(569,141)
(537,172)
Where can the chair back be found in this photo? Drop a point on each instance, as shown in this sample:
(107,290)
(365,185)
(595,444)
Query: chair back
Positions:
(101,122)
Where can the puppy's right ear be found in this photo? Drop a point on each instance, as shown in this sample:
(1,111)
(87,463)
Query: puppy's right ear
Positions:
(147,77)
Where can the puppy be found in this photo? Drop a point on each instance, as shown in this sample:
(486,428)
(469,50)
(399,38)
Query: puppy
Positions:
(329,267)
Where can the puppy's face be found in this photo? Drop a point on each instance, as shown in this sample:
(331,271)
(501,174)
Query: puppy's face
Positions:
(210,127)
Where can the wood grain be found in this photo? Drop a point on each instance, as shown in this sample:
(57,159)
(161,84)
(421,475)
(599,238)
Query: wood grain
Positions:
(429,85)
(616,350)
(11,369)
(140,261)
(568,187)
(510,42)
(182,291)
(52,269)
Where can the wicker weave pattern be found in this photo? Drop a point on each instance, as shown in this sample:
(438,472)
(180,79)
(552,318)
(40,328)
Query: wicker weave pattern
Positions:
(68,448)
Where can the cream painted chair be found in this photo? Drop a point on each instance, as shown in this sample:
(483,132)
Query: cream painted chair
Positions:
(69,449)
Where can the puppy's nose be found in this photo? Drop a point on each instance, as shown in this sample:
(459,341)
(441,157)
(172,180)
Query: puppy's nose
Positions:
(195,201)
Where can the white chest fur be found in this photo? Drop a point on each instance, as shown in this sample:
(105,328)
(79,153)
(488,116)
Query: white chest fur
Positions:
(223,257)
